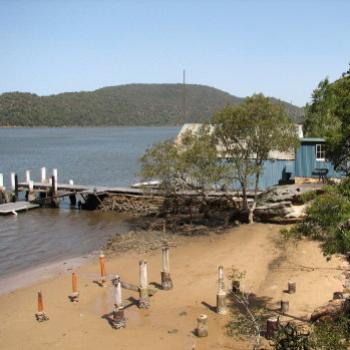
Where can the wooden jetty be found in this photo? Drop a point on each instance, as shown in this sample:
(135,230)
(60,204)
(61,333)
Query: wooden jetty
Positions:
(13,208)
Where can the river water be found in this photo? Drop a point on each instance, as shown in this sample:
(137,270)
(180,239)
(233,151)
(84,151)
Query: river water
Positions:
(89,156)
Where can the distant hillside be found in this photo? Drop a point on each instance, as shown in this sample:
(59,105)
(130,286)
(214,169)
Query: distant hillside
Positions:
(135,104)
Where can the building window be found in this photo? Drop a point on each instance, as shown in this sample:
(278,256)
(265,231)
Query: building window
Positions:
(321,152)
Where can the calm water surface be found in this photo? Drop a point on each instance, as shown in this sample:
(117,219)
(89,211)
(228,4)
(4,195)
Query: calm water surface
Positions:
(90,156)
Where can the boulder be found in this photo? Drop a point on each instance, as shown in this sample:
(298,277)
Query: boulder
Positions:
(327,311)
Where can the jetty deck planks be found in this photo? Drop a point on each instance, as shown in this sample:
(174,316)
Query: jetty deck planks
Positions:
(10,208)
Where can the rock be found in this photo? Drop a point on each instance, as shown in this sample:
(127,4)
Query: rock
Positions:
(327,311)
(173,331)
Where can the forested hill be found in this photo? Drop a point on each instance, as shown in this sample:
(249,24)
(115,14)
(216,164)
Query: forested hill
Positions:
(134,104)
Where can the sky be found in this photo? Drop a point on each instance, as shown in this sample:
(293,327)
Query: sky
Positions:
(280,48)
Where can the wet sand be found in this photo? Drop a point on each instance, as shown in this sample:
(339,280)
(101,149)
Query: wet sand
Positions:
(169,323)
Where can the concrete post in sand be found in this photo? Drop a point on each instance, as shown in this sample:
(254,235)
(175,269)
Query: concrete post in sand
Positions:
(74,296)
(292,287)
(103,278)
(167,283)
(202,326)
(221,278)
(43,175)
(144,297)
(221,307)
(27,176)
(40,314)
(119,320)
(13,183)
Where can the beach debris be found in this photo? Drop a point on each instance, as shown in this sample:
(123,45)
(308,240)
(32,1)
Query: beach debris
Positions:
(284,306)
(221,307)
(167,283)
(103,278)
(40,314)
(74,296)
(202,326)
(134,288)
(144,297)
(292,286)
(119,320)
(271,327)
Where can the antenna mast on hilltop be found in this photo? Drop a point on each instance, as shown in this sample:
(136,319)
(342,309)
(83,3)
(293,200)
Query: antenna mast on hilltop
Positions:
(183,121)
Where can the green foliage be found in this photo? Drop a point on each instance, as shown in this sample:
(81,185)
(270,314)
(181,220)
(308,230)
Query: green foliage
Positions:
(192,164)
(308,196)
(134,104)
(248,132)
(329,116)
(326,220)
(291,337)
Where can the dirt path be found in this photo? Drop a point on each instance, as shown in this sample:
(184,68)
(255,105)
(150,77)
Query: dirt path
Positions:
(169,323)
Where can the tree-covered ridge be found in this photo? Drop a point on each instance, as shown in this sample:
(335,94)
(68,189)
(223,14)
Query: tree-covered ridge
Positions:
(134,104)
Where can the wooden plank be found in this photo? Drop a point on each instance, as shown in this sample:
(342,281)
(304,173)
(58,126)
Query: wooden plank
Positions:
(10,208)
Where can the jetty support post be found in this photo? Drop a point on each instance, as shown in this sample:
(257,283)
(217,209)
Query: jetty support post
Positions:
(55,175)
(16,187)
(119,320)
(103,277)
(144,296)
(27,176)
(12,177)
(54,199)
(74,296)
(40,314)
(1,181)
(43,175)
(167,283)
(31,195)
(221,305)
(202,326)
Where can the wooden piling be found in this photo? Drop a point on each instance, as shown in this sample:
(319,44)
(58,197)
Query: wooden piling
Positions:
(202,326)
(119,320)
(13,186)
(16,187)
(55,175)
(166,281)
(103,278)
(43,175)
(40,314)
(284,306)
(144,297)
(74,296)
(27,176)
(271,327)
(292,287)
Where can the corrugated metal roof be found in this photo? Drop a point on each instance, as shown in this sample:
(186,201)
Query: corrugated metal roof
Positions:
(312,139)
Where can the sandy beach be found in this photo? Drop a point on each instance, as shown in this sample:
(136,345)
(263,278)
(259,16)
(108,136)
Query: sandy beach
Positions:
(171,319)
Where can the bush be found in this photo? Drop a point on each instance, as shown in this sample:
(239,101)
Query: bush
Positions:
(325,218)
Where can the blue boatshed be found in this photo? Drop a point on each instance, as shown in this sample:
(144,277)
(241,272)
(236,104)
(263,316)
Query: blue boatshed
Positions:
(307,163)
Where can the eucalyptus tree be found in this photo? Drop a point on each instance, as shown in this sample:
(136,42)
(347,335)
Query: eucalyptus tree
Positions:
(246,134)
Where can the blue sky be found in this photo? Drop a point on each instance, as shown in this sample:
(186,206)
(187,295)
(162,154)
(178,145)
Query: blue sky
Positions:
(280,48)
